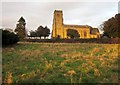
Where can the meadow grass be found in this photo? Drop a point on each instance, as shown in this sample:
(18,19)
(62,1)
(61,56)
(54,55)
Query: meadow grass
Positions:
(60,63)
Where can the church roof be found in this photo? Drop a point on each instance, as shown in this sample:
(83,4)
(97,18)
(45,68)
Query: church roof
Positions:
(78,26)
(21,19)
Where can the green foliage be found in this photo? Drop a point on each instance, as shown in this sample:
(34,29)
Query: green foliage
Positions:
(9,38)
(40,32)
(111,26)
(43,31)
(20,29)
(46,32)
(72,33)
(33,34)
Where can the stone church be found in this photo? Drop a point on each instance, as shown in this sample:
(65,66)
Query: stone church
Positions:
(60,29)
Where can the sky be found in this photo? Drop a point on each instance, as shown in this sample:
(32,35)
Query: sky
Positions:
(38,13)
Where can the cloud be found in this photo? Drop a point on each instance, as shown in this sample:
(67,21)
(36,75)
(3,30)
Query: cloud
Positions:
(119,7)
(41,13)
(91,13)
(59,0)
(0,15)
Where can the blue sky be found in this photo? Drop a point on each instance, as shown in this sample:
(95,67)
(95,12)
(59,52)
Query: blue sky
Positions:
(41,13)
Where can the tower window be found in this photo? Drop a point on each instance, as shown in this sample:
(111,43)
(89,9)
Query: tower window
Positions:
(58,15)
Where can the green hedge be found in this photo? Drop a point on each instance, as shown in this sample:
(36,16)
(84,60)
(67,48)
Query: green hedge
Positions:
(9,38)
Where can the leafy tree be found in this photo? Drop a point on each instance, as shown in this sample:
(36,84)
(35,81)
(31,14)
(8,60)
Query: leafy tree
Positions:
(41,31)
(105,35)
(72,33)
(20,28)
(9,38)
(33,34)
(101,28)
(46,32)
(111,27)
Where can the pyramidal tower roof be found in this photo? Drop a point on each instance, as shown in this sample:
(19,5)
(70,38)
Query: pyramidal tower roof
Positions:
(21,19)
(58,10)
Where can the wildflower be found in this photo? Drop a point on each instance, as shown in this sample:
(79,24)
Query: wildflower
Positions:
(65,75)
(62,64)
(102,64)
(101,59)
(71,72)
(8,79)
(66,61)
(86,70)
(84,65)
(80,78)
(91,63)
(23,75)
(48,66)
(73,56)
(96,72)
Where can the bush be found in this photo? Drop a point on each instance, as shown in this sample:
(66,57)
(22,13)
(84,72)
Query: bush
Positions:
(9,38)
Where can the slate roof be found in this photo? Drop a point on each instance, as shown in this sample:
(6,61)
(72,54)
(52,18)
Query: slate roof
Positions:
(77,26)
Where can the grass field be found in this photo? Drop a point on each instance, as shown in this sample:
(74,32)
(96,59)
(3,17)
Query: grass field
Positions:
(60,63)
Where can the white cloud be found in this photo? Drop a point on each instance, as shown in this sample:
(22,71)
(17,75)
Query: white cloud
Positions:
(41,13)
(59,0)
(119,7)
(0,15)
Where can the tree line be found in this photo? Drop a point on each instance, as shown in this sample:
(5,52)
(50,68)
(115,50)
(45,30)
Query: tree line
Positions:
(40,32)
(111,29)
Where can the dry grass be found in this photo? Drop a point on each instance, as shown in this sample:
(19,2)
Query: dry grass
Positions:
(61,62)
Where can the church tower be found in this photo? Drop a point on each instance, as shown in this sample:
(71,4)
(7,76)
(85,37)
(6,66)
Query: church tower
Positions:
(57,26)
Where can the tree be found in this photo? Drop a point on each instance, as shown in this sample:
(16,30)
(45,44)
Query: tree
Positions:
(20,28)
(9,38)
(111,26)
(46,32)
(101,28)
(72,33)
(33,33)
(41,31)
